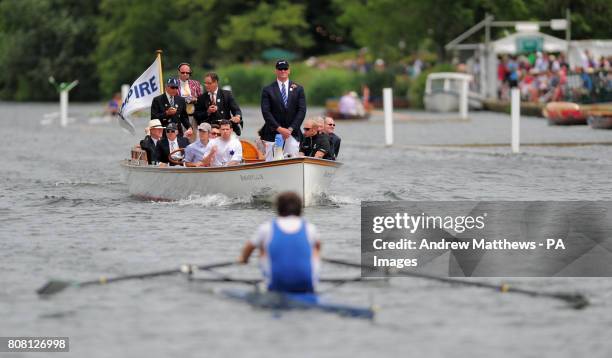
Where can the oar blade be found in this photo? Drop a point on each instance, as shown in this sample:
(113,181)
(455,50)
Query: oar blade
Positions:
(576,301)
(53,287)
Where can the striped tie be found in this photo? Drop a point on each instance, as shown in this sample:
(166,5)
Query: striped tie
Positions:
(284,94)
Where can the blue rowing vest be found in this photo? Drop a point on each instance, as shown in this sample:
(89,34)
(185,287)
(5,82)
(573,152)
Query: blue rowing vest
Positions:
(290,260)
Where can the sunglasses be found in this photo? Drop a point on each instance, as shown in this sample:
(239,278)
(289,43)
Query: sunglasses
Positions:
(170,131)
(215,133)
(282,69)
(174,87)
(185,73)
(307,129)
(332,124)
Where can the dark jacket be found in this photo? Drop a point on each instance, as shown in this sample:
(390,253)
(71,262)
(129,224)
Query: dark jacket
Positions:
(334,141)
(163,148)
(149,146)
(276,115)
(227,107)
(318,142)
(158,111)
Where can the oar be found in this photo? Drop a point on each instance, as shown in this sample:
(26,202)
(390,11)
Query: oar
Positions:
(55,286)
(576,300)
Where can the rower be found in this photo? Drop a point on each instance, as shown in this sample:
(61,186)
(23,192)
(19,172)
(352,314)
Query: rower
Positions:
(289,248)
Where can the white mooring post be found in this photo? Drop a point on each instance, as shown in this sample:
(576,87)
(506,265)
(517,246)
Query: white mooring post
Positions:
(388,108)
(63,89)
(516,119)
(64,108)
(463,99)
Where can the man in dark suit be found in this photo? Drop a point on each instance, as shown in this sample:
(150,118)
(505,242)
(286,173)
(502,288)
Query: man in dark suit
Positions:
(216,104)
(334,140)
(171,143)
(170,107)
(149,143)
(283,106)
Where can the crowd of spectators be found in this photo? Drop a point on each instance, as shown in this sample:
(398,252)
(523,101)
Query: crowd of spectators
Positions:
(544,77)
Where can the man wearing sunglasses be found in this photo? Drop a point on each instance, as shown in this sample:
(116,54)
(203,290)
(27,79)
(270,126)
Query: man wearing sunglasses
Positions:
(334,140)
(169,144)
(188,89)
(283,106)
(315,144)
(171,108)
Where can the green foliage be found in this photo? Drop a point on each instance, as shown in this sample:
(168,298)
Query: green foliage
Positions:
(106,43)
(417,90)
(382,24)
(402,86)
(331,83)
(246,81)
(129,37)
(275,24)
(39,39)
(377,80)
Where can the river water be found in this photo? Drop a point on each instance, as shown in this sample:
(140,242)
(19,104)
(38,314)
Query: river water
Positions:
(65,213)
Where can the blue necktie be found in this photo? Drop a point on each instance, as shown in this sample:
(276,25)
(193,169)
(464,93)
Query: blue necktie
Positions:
(284,94)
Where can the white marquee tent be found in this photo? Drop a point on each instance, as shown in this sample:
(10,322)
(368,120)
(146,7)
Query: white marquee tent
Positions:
(508,44)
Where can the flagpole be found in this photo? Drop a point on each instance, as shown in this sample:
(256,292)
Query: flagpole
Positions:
(161,73)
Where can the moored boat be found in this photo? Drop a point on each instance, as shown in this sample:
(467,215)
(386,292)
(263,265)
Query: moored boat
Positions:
(332,110)
(565,113)
(442,92)
(308,177)
(600,120)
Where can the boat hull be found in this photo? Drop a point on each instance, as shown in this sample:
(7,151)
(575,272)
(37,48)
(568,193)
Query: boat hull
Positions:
(448,102)
(564,113)
(600,121)
(309,177)
(291,301)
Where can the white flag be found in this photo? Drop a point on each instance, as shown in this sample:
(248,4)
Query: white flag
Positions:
(141,94)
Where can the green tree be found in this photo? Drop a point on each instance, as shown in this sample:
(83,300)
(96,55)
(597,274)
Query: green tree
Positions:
(129,37)
(382,24)
(39,39)
(282,24)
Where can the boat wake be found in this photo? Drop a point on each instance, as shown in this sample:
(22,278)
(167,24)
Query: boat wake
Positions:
(205,201)
(86,183)
(337,200)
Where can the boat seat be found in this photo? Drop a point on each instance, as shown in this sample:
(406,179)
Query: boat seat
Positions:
(139,155)
(250,153)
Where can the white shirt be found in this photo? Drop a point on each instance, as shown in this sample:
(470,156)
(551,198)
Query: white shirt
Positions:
(173,145)
(185,89)
(289,224)
(170,98)
(347,105)
(280,86)
(227,151)
(213,93)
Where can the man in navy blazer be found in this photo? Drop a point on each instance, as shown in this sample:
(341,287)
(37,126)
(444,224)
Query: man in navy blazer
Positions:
(170,107)
(169,144)
(283,106)
(217,104)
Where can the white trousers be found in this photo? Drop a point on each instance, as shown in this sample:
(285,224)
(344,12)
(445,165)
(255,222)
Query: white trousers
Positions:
(291,149)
